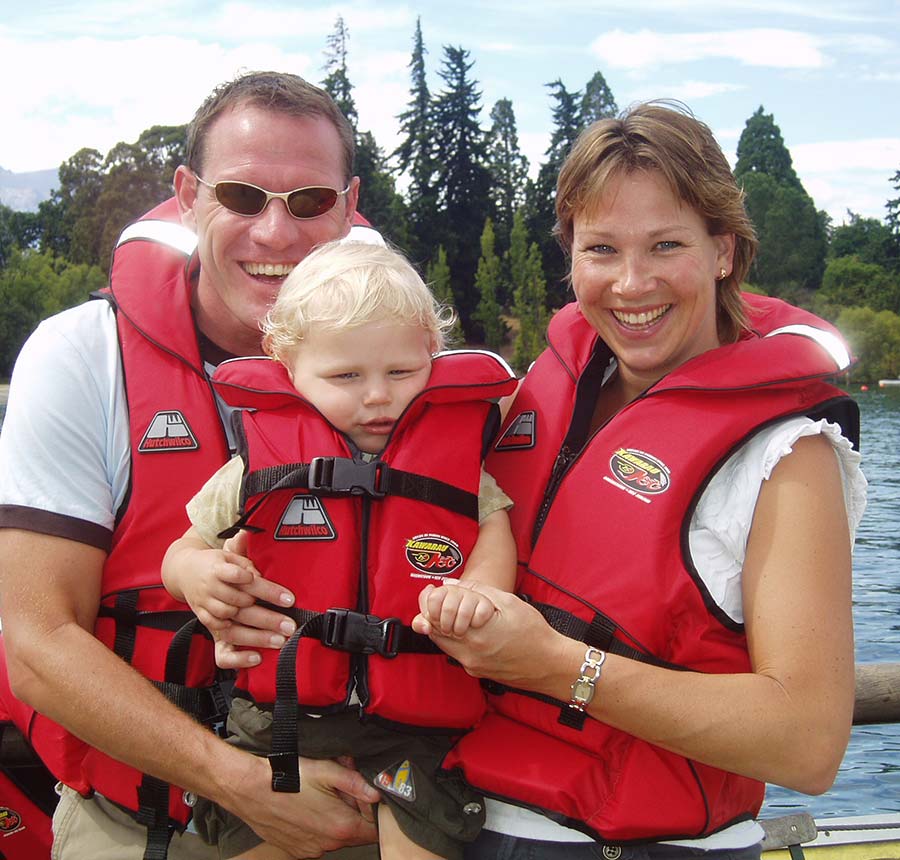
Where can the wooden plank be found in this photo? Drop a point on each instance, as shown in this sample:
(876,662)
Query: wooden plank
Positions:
(877,693)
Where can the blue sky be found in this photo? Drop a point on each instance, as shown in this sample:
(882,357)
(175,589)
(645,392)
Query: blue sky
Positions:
(101,71)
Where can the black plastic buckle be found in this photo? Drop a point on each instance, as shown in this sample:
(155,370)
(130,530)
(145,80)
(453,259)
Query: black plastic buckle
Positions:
(346,630)
(343,475)
(285,772)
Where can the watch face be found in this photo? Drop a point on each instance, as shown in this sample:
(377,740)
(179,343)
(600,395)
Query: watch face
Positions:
(582,691)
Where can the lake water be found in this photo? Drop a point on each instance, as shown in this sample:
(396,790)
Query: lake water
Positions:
(869,778)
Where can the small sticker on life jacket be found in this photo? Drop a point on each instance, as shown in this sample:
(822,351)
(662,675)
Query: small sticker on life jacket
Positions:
(168,431)
(397,780)
(305,518)
(10,821)
(435,555)
(638,472)
(520,434)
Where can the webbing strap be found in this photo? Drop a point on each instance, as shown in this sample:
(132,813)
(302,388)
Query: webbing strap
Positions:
(153,813)
(126,635)
(341,476)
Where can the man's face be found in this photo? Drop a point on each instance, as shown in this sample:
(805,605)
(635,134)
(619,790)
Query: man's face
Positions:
(244,260)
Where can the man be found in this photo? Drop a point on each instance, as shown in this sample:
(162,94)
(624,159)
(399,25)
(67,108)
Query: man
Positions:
(88,504)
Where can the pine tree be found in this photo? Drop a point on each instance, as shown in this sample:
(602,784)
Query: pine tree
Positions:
(414,156)
(487,283)
(337,81)
(542,193)
(437,275)
(378,197)
(508,167)
(792,234)
(597,102)
(761,149)
(529,289)
(463,180)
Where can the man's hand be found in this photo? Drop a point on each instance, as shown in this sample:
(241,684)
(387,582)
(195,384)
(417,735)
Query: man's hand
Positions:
(333,808)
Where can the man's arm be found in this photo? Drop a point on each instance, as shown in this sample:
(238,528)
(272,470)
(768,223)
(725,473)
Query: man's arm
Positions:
(49,597)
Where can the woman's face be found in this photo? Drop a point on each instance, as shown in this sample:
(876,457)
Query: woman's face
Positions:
(644,270)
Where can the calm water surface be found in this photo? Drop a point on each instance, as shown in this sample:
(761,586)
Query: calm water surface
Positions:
(869,779)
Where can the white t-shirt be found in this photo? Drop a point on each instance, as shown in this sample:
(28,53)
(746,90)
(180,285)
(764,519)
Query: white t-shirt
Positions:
(64,449)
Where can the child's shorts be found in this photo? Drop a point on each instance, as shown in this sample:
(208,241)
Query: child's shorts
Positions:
(438,811)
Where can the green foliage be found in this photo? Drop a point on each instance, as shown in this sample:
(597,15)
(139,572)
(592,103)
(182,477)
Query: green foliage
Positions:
(893,208)
(463,181)
(866,238)
(530,296)
(337,81)
(378,199)
(851,282)
(34,285)
(508,167)
(874,338)
(437,276)
(792,241)
(487,283)
(597,102)
(761,149)
(17,230)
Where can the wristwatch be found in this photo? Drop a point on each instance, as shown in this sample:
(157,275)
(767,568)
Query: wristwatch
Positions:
(584,687)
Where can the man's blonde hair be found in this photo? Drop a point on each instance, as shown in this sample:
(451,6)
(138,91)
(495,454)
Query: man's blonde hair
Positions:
(345,284)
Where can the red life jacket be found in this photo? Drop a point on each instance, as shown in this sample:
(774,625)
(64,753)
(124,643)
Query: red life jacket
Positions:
(613,513)
(357,541)
(177,441)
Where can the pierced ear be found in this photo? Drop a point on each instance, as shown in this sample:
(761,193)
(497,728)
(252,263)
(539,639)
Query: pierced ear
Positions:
(725,243)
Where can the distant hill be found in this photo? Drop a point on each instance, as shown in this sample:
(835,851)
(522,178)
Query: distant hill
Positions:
(24,191)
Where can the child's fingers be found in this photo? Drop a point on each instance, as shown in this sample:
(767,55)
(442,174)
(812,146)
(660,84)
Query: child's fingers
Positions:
(270,592)
(483,611)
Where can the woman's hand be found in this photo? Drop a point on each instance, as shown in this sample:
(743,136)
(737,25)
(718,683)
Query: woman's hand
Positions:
(511,647)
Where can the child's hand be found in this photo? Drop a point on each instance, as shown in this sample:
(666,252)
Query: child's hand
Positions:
(452,609)
(219,586)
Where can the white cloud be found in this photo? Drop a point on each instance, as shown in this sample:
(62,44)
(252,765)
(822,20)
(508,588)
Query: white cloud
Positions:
(645,49)
(686,91)
(880,155)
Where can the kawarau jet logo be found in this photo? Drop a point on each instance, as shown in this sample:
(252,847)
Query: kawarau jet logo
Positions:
(520,434)
(639,472)
(10,821)
(305,518)
(168,431)
(397,780)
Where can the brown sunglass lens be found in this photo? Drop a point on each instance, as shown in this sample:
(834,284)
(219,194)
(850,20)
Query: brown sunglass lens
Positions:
(310,202)
(240,198)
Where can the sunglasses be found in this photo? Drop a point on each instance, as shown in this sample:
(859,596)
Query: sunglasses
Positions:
(243,198)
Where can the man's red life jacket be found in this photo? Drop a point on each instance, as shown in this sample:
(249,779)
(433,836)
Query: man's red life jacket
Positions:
(602,531)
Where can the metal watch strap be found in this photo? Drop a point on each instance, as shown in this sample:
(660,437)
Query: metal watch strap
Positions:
(584,687)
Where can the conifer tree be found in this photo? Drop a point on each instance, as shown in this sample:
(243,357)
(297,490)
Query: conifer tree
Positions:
(542,194)
(463,180)
(437,275)
(529,289)
(414,156)
(597,102)
(337,80)
(508,167)
(761,149)
(487,282)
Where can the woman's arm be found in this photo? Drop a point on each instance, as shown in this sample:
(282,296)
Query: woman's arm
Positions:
(788,721)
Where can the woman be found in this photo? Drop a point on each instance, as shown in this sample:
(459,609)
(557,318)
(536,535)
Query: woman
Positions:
(685,497)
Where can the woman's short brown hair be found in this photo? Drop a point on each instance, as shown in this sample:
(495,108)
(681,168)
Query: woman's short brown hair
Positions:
(666,137)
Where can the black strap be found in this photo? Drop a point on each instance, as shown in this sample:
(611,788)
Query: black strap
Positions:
(342,476)
(153,813)
(126,635)
(345,630)
(126,614)
(599,632)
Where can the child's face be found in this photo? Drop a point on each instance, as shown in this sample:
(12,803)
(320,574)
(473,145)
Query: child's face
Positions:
(362,378)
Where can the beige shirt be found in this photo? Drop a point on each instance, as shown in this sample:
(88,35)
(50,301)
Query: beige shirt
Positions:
(216,506)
